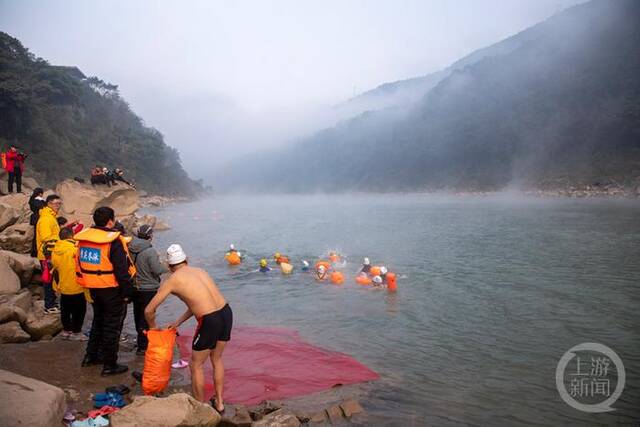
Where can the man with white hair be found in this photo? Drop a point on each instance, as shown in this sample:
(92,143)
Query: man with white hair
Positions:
(197,290)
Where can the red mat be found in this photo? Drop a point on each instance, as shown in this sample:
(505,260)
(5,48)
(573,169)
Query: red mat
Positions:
(267,363)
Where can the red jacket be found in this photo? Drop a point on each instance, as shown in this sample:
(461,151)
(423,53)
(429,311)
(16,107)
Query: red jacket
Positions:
(15,159)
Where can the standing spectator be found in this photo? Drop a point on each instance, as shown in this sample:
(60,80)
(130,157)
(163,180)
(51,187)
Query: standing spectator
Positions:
(47,232)
(36,202)
(73,303)
(15,167)
(103,265)
(149,269)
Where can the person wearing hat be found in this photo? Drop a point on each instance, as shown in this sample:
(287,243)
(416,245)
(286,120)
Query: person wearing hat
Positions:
(198,291)
(366,266)
(149,269)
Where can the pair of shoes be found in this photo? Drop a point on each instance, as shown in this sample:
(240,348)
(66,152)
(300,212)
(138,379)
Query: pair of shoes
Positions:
(78,336)
(64,335)
(114,370)
(89,361)
(52,310)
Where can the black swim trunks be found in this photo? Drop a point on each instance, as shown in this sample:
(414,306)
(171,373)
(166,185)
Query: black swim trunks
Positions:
(213,327)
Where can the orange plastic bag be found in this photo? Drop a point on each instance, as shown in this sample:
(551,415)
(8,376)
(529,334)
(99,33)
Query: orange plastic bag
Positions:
(362,279)
(157,360)
(233,258)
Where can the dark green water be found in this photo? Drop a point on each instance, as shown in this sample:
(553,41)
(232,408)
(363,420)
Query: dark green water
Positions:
(492,292)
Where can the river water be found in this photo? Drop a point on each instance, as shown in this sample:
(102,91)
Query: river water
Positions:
(492,291)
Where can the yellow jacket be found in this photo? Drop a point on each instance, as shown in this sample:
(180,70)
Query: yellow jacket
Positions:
(47,229)
(64,263)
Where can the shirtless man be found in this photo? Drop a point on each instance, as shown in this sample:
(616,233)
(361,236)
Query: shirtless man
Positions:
(204,301)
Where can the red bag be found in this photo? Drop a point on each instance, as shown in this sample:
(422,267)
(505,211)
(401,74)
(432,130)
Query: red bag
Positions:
(157,360)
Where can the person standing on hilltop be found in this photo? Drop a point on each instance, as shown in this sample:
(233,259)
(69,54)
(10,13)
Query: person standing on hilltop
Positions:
(149,269)
(198,291)
(15,167)
(47,232)
(103,266)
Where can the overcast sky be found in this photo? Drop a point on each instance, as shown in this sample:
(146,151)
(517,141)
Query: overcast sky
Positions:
(219,78)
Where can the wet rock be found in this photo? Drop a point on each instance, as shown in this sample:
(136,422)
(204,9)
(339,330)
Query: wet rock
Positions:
(8,216)
(176,410)
(17,238)
(29,402)
(319,418)
(39,324)
(259,411)
(334,413)
(280,418)
(235,416)
(23,265)
(9,281)
(351,407)
(12,333)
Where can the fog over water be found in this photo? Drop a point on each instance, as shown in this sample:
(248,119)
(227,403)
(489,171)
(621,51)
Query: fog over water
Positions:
(234,77)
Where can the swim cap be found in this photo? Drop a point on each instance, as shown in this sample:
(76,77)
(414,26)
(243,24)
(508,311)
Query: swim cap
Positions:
(305,263)
(277,255)
(321,268)
(366,261)
(377,280)
(383,270)
(175,254)
(231,247)
(263,262)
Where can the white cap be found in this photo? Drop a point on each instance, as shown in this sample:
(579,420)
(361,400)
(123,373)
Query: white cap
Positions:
(175,254)
(366,261)
(231,246)
(383,270)
(305,262)
(239,254)
(377,279)
(322,268)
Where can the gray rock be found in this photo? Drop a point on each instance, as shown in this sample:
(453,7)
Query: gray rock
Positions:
(8,216)
(12,314)
(17,238)
(21,300)
(235,416)
(29,402)
(334,413)
(39,324)
(351,407)
(23,265)
(176,410)
(280,418)
(9,281)
(12,333)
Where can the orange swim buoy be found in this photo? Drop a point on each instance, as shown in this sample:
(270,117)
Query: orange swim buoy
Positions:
(392,286)
(334,257)
(337,278)
(362,279)
(374,271)
(233,258)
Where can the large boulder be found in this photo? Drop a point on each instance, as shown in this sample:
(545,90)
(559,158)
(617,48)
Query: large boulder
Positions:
(9,281)
(11,332)
(15,307)
(29,402)
(8,215)
(17,238)
(21,264)
(39,324)
(80,200)
(176,410)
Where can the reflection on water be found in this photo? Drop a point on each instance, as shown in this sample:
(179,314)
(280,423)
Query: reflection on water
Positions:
(491,293)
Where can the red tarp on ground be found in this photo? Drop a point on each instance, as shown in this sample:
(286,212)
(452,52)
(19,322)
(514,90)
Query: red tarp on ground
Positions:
(268,363)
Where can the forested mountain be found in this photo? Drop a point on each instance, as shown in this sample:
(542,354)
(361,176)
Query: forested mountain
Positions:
(558,104)
(67,123)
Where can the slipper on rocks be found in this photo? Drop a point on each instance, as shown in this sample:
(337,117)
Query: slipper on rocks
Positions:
(180,364)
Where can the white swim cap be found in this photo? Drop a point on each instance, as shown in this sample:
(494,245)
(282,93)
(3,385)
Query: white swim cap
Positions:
(366,261)
(231,246)
(239,254)
(383,270)
(377,279)
(322,268)
(306,263)
(175,254)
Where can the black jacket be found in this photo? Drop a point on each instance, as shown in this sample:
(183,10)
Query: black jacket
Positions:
(35,205)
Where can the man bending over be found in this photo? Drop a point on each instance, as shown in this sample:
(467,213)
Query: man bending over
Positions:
(203,299)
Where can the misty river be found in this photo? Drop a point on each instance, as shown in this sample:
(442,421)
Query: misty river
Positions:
(492,291)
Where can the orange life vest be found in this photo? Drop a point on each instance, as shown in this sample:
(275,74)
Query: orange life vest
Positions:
(233,258)
(93,266)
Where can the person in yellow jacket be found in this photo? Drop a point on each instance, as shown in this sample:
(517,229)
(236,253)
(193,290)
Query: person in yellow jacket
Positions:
(73,297)
(104,266)
(47,231)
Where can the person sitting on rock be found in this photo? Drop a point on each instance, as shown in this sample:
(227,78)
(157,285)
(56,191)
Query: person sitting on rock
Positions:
(73,297)
(117,174)
(98,176)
